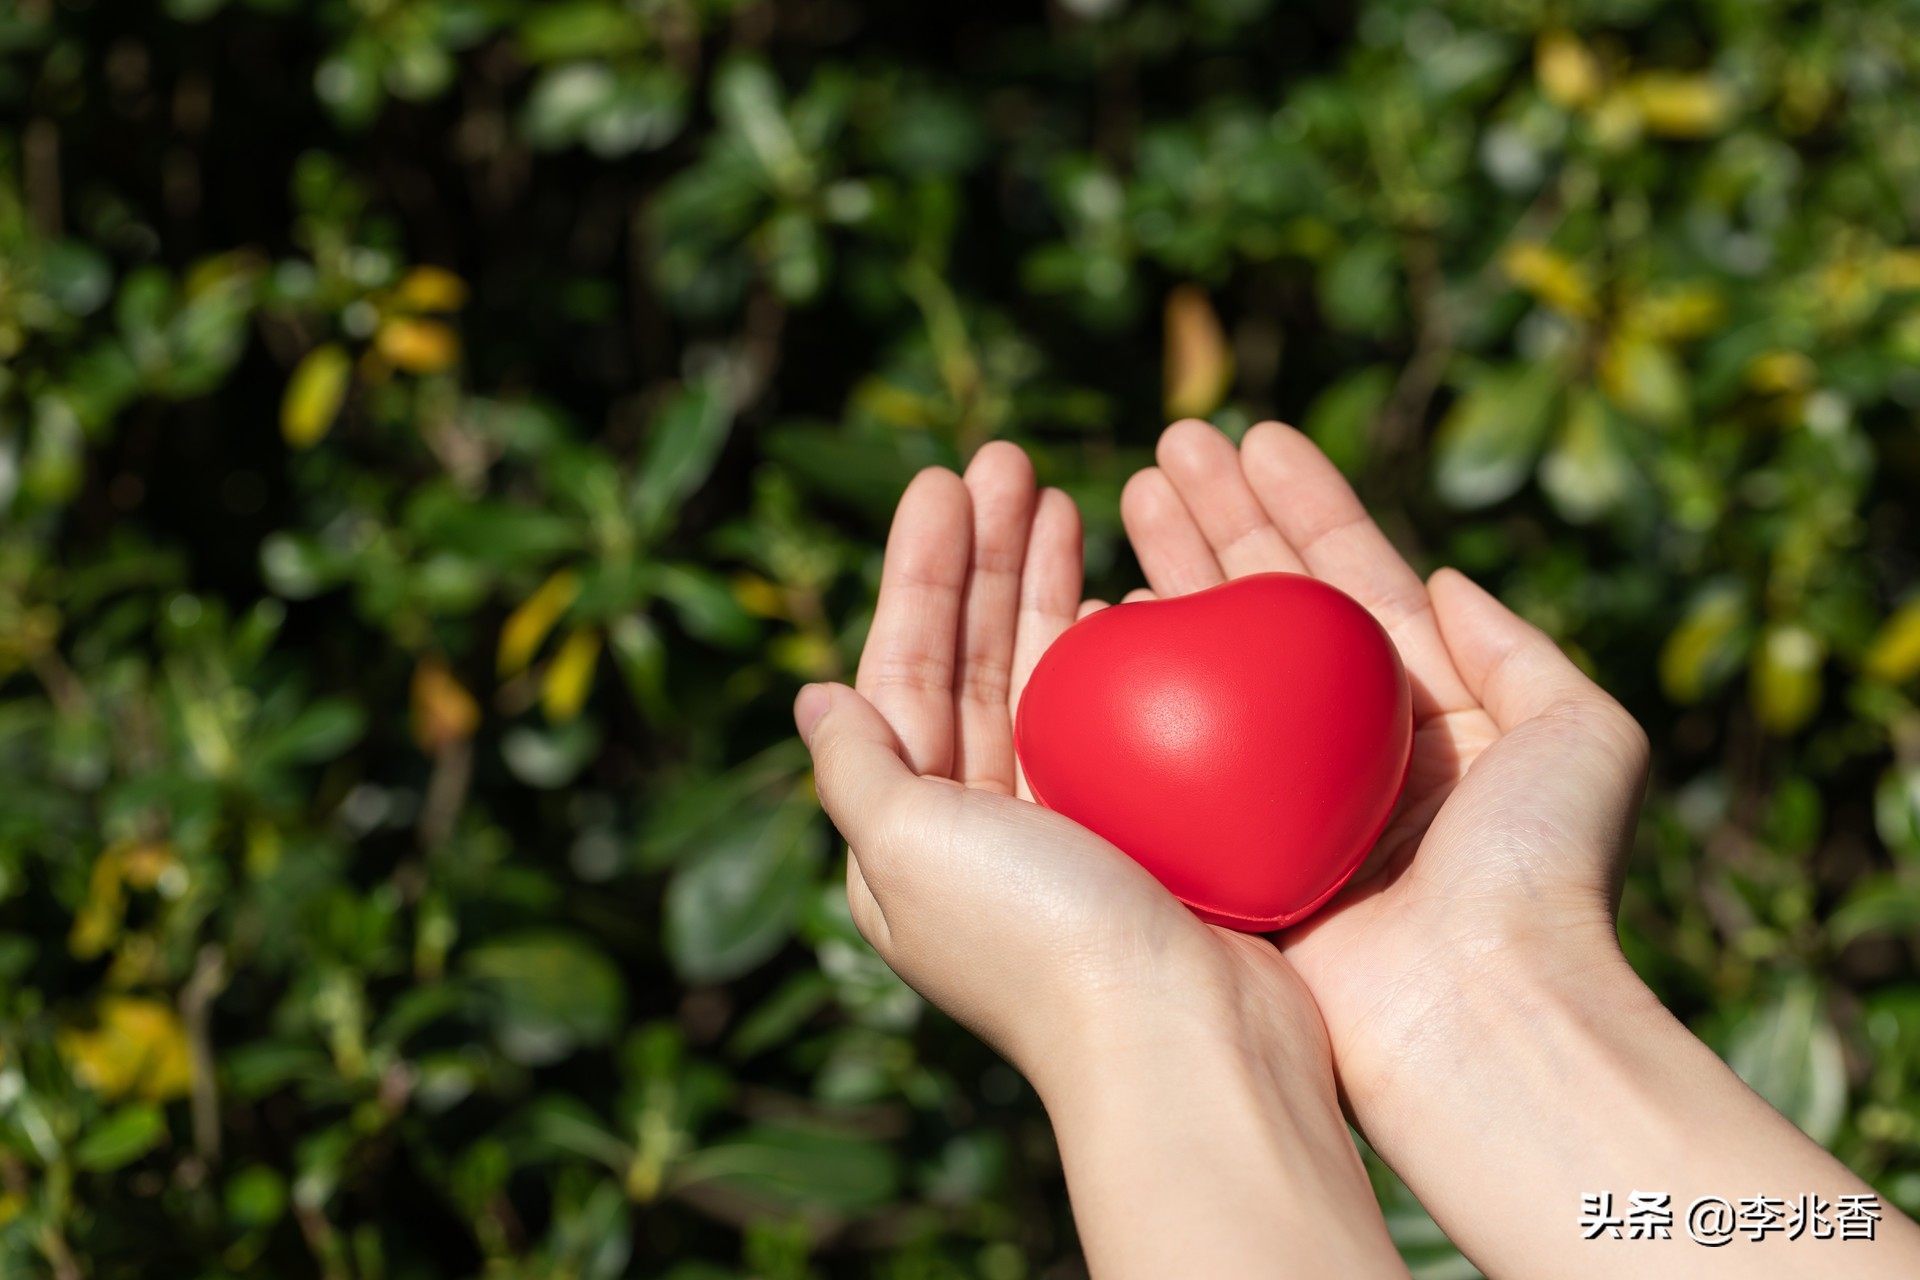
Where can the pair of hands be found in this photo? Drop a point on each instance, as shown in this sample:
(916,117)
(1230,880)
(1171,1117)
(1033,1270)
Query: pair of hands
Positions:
(1506,847)
(1463,999)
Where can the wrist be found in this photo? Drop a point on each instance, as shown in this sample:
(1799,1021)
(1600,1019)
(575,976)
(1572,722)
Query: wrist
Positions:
(1225,1123)
(1472,1007)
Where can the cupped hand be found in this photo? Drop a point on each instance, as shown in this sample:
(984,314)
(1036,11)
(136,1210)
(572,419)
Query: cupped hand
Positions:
(1039,935)
(1505,854)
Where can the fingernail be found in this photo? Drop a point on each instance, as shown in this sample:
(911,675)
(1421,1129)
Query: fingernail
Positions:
(808,707)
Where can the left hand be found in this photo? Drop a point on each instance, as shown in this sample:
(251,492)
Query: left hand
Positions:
(1184,1067)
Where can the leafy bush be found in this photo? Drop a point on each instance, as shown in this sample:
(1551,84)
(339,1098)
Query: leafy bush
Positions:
(437,436)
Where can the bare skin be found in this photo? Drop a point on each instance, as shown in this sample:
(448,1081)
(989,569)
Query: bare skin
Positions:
(1185,1068)
(1489,1036)
(1466,992)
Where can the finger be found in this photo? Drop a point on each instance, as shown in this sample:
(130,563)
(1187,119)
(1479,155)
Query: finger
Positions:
(906,668)
(1137,595)
(1088,607)
(1173,553)
(1316,511)
(1509,665)
(860,772)
(1570,765)
(1204,468)
(1000,483)
(864,907)
(1049,586)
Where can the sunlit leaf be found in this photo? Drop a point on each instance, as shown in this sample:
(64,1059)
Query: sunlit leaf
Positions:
(1587,472)
(569,676)
(1894,655)
(1569,75)
(417,346)
(137,1046)
(1786,682)
(1486,446)
(1707,646)
(1789,1052)
(1680,105)
(529,624)
(1643,377)
(1549,276)
(551,991)
(1198,361)
(734,903)
(431,289)
(444,713)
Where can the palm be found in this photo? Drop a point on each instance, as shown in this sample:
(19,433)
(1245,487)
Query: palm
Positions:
(1469,849)
(982,575)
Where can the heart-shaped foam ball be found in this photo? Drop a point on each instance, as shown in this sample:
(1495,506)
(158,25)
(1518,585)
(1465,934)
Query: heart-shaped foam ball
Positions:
(1245,743)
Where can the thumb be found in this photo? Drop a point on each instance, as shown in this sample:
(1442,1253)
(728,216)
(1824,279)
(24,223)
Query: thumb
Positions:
(862,779)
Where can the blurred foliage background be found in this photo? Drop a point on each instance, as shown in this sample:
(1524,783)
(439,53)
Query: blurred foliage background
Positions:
(437,437)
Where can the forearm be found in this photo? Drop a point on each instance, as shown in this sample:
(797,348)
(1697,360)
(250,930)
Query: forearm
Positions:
(1187,1156)
(1531,1089)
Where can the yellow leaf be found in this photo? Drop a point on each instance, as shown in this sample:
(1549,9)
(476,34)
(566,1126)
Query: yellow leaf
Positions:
(314,395)
(1677,313)
(804,654)
(25,634)
(758,596)
(444,713)
(417,346)
(1780,372)
(1675,104)
(136,864)
(1569,75)
(1643,377)
(570,675)
(1895,653)
(1701,647)
(1785,684)
(528,625)
(1900,270)
(1551,277)
(431,289)
(1199,365)
(139,1047)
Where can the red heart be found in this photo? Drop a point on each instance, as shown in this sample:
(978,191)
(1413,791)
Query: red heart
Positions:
(1245,743)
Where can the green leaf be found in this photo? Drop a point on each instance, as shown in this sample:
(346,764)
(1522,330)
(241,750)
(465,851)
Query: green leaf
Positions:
(790,1168)
(1645,379)
(551,990)
(704,603)
(508,535)
(735,904)
(319,733)
(256,1198)
(1360,286)
(685,439)
(1896,810)
(554,30)
(1487,444)
(747,100)
(550,757)
(1707,646)
(1790,1054)
(868,474)
(1587,473)
(120,1137)
(1342,417)
(1881,904)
